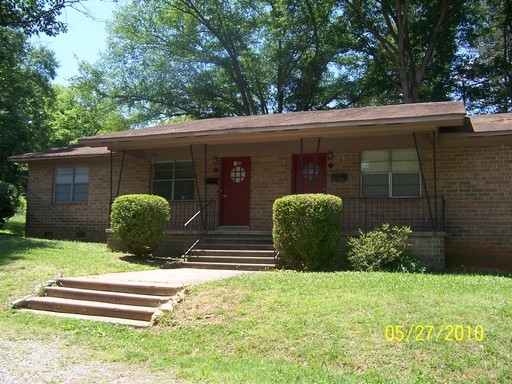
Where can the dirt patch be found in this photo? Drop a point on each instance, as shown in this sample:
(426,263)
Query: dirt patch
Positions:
(207,306)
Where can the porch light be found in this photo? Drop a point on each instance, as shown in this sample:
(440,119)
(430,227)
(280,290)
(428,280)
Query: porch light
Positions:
(329,155)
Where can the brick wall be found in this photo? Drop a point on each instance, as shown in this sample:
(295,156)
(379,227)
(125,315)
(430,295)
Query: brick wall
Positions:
(271,179)
(477,185)
(85,220)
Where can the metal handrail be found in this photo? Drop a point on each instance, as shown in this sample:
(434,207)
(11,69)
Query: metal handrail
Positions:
(193,238)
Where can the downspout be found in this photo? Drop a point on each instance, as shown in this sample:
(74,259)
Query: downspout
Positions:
(424,181)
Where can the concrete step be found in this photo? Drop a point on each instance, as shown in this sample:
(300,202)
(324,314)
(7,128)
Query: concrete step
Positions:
(106,296)
(237,246)
(220,258)
(104,319)
(117,286)
(90,308)
(242,253)
(239,237)
(230,266)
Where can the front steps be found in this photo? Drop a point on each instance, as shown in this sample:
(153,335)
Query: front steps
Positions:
(91,299)
(232,249)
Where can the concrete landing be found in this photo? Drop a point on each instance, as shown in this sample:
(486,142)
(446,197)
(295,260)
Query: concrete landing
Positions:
(179,277)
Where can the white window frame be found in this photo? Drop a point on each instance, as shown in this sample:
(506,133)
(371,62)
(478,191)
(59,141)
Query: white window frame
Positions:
(173,179)
(389,167)
(76,179)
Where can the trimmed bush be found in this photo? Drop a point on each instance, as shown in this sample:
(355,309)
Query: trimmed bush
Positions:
(383,249)
(139,221)
(306,230)
(9,202)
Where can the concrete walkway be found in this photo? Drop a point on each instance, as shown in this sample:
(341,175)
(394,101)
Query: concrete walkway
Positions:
(179,277)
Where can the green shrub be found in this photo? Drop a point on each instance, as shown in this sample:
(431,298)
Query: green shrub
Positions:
(383,249)
(139,221)
(9,202)
(306,230)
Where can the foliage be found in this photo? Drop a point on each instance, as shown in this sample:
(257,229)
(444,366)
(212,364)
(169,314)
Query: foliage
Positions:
(306,230)
(287,55)
(25,97)
(139,221)
(26,70)
(77,113)
(383,249)
(411,45)
(484,73)
(221,60)
(34,16)
(9,201)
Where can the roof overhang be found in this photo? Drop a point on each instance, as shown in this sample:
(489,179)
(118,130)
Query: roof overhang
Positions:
(70,152)
(341,123)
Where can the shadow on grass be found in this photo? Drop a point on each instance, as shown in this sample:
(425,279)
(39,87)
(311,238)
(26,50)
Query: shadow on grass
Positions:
(473,272)
(15,225)
(13,247)
(160,262)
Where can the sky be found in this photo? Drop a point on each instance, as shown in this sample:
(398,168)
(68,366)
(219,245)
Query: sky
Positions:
(86,36)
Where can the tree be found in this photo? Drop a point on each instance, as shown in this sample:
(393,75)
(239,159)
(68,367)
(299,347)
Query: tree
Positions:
(77,112)
(218,58)
(31,117)
(9,202)
(485,72)
(304,39)
(413,44)
(33,17)
(25,99)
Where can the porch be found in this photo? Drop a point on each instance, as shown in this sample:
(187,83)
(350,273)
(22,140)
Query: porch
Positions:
(421,214)
(192,221)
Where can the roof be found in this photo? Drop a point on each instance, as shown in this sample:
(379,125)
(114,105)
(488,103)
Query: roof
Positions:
(74,151)
(355,120)
(499,122)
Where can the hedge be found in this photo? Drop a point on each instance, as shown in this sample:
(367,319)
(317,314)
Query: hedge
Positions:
(306,230)
(139,221)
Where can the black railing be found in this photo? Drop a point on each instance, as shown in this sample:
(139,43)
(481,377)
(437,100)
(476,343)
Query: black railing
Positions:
(183,210)
(198,225)
(418,213)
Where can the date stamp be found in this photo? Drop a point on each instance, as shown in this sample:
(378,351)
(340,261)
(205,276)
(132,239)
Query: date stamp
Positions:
(430,332)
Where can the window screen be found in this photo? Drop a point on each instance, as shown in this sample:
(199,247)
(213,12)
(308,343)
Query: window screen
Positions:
(390,173)
(71,184)
(174,180)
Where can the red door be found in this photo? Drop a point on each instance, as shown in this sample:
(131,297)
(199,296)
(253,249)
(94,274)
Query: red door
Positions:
(309,173)
(235,191)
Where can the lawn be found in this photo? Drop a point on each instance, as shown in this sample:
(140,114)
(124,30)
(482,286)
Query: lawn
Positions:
(284,327)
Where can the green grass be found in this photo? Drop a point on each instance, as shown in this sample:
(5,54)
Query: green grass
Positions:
(15,225)
(280,327)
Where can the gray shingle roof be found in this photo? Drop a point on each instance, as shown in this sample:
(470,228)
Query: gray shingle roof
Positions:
(73,151)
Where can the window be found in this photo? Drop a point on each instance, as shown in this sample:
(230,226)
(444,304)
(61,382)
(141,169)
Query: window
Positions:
(71,184)
(174,180)
(390,173)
